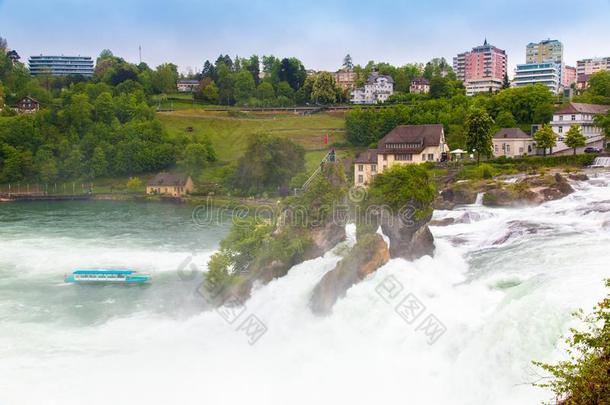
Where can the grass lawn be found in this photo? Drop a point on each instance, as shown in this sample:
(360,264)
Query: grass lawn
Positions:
(229,132)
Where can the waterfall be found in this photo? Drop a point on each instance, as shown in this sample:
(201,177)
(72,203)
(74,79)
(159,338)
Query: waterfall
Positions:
(479,200)
(603,161)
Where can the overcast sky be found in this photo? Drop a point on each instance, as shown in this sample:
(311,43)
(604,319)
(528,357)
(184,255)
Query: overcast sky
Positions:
(320,33)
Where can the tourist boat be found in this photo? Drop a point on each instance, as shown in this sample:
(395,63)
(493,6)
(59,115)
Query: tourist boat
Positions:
(99,276)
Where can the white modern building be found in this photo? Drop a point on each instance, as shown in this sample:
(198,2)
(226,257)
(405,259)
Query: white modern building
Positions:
(377,89)
(61,65)
(547,73)
(477,86)
(580,114)
(187,86)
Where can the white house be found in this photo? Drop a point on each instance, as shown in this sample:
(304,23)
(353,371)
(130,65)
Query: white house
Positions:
(187,86)
(580,114)
(377,89)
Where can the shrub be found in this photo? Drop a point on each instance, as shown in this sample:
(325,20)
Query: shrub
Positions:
(484,171)
(585,377)
(134,183)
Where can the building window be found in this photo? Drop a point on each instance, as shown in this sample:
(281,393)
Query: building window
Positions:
(430,156)
(496,148)
(360,179)
(560,129)
(374,168)
(385,157)
(404,157)
(561,118)
(423,157)
(360,168)
(573,117)
(521,151)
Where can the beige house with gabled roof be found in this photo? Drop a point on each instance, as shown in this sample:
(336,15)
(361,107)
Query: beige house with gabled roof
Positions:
(170,184)
(513,142)
(405,144)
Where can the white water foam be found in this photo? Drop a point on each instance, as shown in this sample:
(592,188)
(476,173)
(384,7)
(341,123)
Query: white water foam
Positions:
(503,284)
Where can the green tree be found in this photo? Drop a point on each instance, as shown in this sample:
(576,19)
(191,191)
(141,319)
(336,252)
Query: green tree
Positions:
(401,184)
(347,62)
(584,377)
(574,138)
(545,138)
(505,119)
(195,158)
(603,121)
(98,166)
(104,108)
(324,90)
(243,86)
(284,89)
(134,183)
(46,165)
(479,133)
(164,78)
(207,92)
(225,84)
(265,92)
(269,162)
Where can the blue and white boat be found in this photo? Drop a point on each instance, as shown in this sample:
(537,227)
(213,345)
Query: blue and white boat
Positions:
(99,276)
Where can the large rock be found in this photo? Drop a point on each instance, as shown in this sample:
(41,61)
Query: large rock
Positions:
(530,191)
(410,237)
(369,253)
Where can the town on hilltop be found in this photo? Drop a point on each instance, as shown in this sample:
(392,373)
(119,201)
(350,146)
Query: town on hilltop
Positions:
(119,120)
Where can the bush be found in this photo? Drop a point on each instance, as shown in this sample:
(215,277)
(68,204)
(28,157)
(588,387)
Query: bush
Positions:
(484,171)
(585,377)
(404,184)
(134,183)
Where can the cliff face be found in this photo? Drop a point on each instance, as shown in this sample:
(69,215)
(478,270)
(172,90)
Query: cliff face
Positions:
(369,253)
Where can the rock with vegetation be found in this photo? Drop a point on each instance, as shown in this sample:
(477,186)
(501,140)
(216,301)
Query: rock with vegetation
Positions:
(369,253)
(400,202)
(258,249)
(529,191)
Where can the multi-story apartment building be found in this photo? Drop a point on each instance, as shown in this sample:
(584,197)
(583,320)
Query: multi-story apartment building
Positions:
(593,65)
(405,144)
(550,50)
(548,73)
(345,78)
(419,85)
(482,69)
(586,67)
(569,76)
(61,65)
(580,114)
(377,89)
(543,64)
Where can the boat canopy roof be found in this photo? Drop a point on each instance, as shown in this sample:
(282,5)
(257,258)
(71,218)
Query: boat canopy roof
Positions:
(100,271)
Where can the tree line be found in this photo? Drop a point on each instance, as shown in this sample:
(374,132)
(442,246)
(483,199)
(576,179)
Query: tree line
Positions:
(88,129)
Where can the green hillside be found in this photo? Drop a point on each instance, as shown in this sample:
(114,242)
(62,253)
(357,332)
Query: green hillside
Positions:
(229,131)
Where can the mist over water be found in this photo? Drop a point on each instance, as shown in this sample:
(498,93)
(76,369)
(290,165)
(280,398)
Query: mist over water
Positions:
(502,281)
